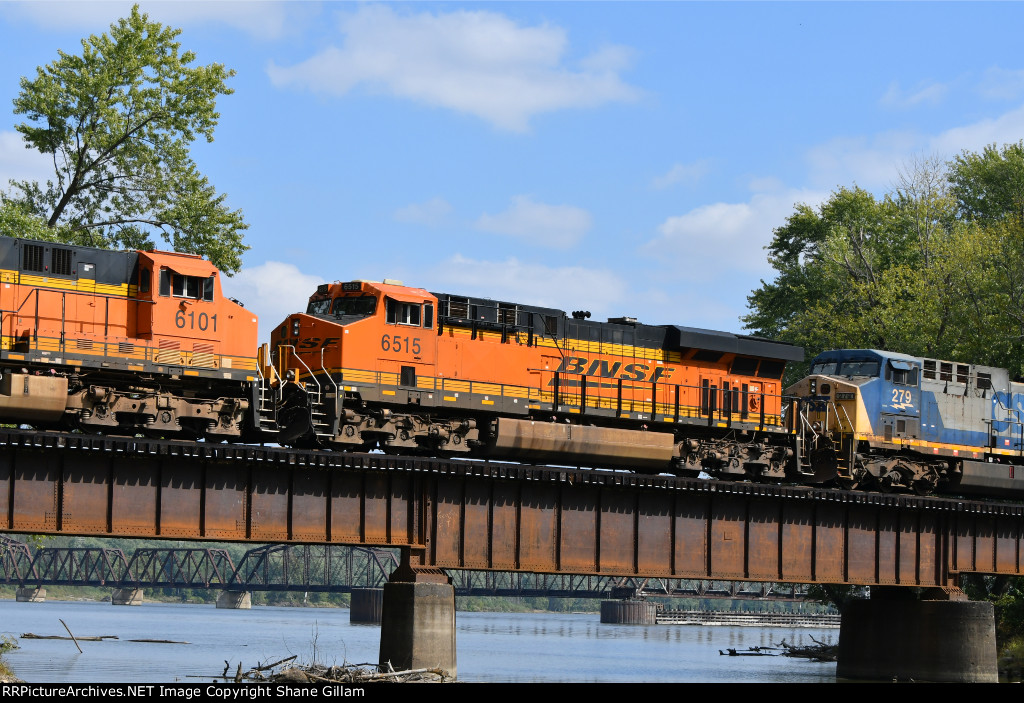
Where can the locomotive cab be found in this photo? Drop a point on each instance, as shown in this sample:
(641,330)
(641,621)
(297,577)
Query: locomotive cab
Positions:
(357,342)
(855,404)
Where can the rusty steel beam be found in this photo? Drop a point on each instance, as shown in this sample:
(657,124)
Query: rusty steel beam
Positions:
(15,561)
(501,517)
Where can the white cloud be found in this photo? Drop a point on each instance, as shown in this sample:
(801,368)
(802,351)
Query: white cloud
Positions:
(874,162)
(272,291)
(557,226)
(565,287)
(1001,83)
(870,162)
(682,173)
(1007,128)
(924,93)
(481,63)
(432,213)
(20,163)
(715,241)
(263,20)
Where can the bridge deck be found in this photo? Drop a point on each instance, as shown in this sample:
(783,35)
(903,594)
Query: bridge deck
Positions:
(496,516)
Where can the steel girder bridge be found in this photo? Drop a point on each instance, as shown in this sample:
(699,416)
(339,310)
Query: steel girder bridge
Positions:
(449,514)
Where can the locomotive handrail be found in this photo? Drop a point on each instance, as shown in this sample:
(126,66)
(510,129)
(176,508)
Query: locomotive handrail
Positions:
(337,393)
(1016,412)
(319,390)
(298,358)
(837,408)
(808,425)
(62,339)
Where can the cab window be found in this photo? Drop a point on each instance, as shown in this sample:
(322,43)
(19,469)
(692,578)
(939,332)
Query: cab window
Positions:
(178,286)
(901,376)
(399,313)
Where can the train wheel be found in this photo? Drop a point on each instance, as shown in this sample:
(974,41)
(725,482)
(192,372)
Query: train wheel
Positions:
(848,484)
(923,487)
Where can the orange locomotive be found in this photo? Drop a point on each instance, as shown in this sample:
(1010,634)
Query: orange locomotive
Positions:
(144,342)
(122,342)
(381,365)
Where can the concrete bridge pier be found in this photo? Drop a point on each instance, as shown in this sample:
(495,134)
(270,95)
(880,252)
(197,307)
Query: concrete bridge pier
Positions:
(30,594)
(893,636)
(126,596)
(235,600)
(418,619)
(366,606)
(629,612)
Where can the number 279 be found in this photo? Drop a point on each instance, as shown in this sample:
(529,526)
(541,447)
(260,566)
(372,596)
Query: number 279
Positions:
(901,396)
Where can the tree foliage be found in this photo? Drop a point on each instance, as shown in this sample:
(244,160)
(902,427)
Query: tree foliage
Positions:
(118,120)
(933,268)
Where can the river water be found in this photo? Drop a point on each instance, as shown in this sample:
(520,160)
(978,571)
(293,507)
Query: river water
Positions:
(491,647)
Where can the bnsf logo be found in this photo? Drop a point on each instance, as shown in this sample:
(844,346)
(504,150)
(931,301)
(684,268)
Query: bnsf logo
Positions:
(605,369)
(310,342)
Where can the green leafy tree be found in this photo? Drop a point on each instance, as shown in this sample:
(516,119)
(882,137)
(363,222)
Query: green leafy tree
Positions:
(990,186)
(118,120)
(923,270)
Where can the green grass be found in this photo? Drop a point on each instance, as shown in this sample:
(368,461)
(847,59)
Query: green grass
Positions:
(7,643)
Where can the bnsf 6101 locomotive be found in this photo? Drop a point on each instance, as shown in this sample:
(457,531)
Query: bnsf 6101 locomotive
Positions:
(125,342)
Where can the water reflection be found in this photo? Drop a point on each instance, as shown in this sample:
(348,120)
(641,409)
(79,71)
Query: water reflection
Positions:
(499,647)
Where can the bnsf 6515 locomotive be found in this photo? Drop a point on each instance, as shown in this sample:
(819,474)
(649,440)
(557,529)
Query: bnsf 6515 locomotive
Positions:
(405,370)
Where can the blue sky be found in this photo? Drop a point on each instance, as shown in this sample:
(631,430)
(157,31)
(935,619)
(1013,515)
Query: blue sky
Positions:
(623,158)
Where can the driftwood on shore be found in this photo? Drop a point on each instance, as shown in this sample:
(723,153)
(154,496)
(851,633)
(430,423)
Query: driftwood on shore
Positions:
(752,652)
(80,638)
(346,673)
(819,651)
(93,638)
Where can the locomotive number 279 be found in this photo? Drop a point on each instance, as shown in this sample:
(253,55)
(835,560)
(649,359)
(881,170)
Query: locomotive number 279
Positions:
(397,343)
(191,320)
(900,397)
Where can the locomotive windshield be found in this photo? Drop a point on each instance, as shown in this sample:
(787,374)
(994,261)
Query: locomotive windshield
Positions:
(846,368)
(827,368)
(360,306)
(319,307)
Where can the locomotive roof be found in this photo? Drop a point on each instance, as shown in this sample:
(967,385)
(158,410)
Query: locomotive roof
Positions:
(713,340)
(109,266)
(662,336)
(844,354)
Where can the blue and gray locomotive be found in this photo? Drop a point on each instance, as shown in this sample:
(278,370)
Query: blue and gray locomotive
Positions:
(876,419)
